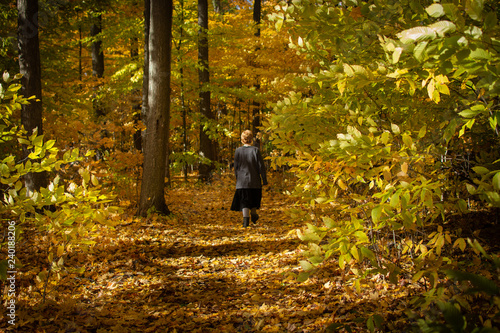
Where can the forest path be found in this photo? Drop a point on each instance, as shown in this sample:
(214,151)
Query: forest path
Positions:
(197,271)
(201,271)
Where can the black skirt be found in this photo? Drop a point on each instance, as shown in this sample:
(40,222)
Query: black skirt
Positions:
(246,198)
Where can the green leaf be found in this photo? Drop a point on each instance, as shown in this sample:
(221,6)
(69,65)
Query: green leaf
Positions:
(303,276)
(480,54)
(376,214)
(355,253)
(417,34)
(490,21)
(419,51)
(496,181)
(469,113)
(396,55)
(435,10)
(75,154)
(418,275)
(451,11)
(480,170)
(479,282)
(306,265)
(407,140)
(395,129)
(477,247)
(38,141)
(367,253)
(370,324)
(361,236)
(329,222)
(394,202)
(377,320)
(422,132)
(452,316)
(321,200)
(385,137)
(443,27)
(474,8)
(470,188)
(342,260)
(49,144)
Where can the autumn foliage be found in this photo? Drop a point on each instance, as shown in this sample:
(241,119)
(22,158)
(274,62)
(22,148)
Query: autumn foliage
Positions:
(379,124)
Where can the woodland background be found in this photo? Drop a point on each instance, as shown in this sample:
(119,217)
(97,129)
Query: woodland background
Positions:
(379,124)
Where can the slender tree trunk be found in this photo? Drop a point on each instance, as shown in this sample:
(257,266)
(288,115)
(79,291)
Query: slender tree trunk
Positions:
(207,145)
(137,97)
(97,61)
(145,79)
(257,8)
(29,67)
(80,46)
(157,125)
(217,6)
(80,49)
(97,53)
(182,92)
(184,127)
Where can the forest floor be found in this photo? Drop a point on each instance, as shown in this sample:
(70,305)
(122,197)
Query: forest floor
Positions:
(199,270)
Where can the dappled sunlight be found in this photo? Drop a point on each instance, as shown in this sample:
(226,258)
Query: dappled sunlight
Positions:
(194,272)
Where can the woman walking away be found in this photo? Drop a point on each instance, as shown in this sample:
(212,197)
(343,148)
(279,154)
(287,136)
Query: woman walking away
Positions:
(250,174)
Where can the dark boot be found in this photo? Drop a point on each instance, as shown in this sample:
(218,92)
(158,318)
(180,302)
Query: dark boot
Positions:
(255,217)
(246,222)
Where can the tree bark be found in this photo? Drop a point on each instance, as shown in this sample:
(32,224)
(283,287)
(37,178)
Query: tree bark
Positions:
(182,89)
(157,125)
(257,9)
(207,145)
(29,67)
(97,53)
(145,77)
(97,61)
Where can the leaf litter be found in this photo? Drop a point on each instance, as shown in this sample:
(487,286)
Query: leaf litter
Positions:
(198,270)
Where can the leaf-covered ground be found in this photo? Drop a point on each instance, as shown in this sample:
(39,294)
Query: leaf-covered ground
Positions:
(197,271)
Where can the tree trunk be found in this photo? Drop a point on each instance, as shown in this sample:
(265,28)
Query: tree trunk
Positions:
(145,78)
(97,61)
(207,145)
(134,54)
(257,8)
(157,125)
(97,53)
(29,67)
(182,90)
(217,6)
(80,46)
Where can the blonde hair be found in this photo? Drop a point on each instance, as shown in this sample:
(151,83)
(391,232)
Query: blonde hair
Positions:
(247,137)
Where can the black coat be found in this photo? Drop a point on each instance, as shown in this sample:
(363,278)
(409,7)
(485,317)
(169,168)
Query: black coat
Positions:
(249,168)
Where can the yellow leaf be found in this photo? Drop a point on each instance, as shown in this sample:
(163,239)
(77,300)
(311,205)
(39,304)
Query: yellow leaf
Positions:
(60,250)
(387,174)
(460,242)
(341,184)
(430,88)
(404,168)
